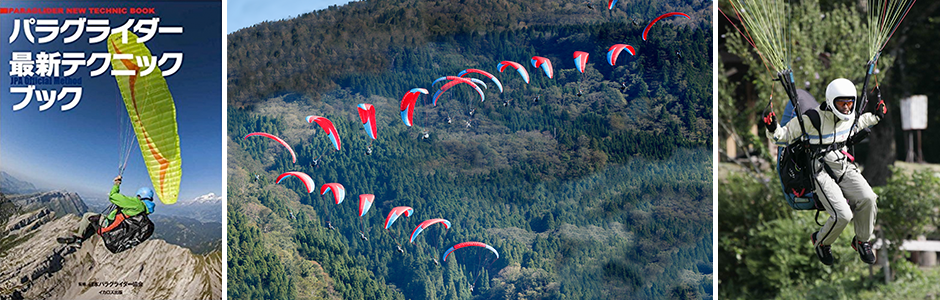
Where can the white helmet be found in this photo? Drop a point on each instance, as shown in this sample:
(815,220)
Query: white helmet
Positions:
(841,88)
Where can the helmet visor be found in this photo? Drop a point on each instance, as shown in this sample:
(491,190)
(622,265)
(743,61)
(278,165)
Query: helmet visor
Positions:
(844,104)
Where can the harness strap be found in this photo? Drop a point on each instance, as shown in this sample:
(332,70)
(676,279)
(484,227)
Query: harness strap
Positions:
(118,218)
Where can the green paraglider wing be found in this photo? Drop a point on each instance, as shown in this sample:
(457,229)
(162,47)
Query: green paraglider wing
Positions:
(152,113)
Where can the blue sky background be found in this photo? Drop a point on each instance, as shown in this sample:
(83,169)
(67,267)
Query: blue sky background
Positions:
(244,13)
(79,150)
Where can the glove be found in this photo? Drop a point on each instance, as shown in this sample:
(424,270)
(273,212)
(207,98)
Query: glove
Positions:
(859,137)
(880,110)
(770,122)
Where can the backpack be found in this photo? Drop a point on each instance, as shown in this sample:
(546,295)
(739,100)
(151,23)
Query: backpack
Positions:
(796,176)
(794,161)
(126,232)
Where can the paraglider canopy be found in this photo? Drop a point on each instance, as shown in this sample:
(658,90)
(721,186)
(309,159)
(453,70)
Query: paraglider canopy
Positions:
(397,212)
(545,64)
(453,82)
(484,73)
(279,141)
(367,115)
(519,68)
(152,113)
(328,127)
(408,105)
(615,50)
(365,202)
(339,192)
(469,244)
(806,102)
(647,30)
(425,224)
(580,60)
(308,182)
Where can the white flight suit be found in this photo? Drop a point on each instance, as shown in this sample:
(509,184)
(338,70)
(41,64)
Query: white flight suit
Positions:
(846,195)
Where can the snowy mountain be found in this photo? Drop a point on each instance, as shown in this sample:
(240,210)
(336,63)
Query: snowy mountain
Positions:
(207,199)
(206,208)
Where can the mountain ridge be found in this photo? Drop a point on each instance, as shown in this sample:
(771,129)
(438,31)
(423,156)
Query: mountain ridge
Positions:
(36,266)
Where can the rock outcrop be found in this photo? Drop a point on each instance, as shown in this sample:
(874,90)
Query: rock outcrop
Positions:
(35,266)
(62,203)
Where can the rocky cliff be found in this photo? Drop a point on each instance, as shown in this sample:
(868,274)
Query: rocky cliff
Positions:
(62,203)
(35,266)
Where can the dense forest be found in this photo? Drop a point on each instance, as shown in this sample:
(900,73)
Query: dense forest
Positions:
(603,195)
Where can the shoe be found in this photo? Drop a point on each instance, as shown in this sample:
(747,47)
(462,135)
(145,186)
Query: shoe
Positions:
(864,251)
(824,252)
(69,240)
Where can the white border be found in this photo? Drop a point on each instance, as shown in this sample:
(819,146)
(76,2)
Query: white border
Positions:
(715,160)
(224,150)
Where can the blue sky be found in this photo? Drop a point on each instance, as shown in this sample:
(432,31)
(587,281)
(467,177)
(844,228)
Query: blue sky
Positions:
(244,13)
(78,150)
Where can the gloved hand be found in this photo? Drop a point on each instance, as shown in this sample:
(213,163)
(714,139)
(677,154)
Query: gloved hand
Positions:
(770,122)
(880,110)
(117,180)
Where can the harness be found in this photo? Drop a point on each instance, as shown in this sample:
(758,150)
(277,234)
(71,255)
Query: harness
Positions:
(125,232)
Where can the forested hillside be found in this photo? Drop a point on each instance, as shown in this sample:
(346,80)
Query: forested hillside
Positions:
(602,195)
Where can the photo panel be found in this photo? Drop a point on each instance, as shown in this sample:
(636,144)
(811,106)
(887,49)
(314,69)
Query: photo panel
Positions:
(111,150)
(474,149)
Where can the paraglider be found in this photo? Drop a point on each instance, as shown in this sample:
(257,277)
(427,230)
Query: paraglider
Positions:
(454,80)
(330,130)
(279,140)
(365,202)
(580,62)
(424,225)
(367,116)
(339,194)
(407,109)
(483,263)
(610,4)
(152,113)
(393,216)
(546,65)
(647,30)
(612,55)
